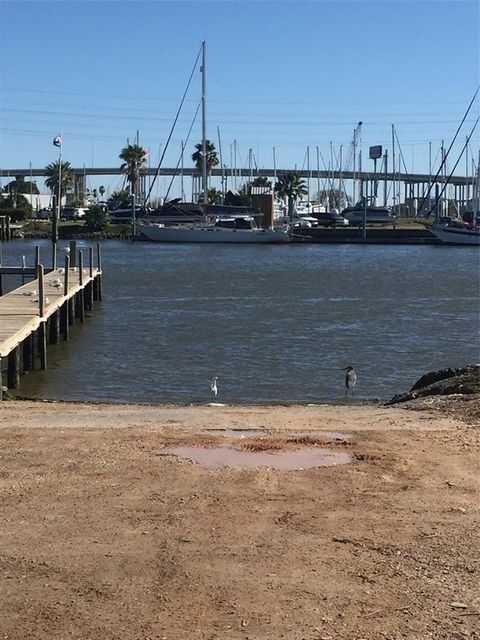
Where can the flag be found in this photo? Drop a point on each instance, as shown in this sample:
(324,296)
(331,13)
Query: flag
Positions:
(57,141)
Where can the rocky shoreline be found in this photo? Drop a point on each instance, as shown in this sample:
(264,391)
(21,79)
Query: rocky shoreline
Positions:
(454,391)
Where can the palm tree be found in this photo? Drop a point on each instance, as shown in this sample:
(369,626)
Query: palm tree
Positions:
(261,181)
(212,158)
(117,199)
(291,186)
(53,172)
(134,158)
(214,196)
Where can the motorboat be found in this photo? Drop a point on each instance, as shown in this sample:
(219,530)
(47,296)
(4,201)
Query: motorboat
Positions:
(374,215)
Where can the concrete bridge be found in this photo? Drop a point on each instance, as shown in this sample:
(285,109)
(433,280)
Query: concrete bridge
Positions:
(414,185)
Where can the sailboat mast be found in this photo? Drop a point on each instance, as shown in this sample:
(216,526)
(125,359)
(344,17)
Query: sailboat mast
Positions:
(204,129)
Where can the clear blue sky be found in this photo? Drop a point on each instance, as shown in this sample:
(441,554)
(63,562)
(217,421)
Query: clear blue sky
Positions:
(283,74)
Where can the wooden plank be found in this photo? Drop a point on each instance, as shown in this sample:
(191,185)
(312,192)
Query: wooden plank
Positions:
(19,309)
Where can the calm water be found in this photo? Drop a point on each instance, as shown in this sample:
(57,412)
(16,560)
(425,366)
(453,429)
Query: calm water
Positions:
(274,323)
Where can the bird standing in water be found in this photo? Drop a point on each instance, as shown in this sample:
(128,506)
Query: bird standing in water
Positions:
(350,380)
(213,386)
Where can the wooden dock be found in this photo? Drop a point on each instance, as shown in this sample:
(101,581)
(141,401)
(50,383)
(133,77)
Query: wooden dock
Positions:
(42,312)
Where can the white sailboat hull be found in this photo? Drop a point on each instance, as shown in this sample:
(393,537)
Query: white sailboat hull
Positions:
(452,235)
(158,233)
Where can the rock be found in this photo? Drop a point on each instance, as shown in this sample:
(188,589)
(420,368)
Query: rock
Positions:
(443,382)
(459,605)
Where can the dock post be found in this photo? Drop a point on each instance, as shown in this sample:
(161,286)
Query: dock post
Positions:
(65,308)
(7,228)
(64,320)
(99,276)
(41,291)
(42,345)
(42,332)
(81,293)
(28,354)
(37,257)
(71,311)
(90,285)
(67,275)
(80,268)
(13,371)
(54,328)
(90,260)
(73,253)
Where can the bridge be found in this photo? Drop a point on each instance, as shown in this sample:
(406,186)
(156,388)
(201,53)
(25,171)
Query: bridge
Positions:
(362,176)
(414,185)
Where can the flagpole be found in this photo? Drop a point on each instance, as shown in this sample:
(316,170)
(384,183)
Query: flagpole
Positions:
(56,214)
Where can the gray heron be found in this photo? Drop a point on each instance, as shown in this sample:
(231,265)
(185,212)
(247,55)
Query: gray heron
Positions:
(350,380)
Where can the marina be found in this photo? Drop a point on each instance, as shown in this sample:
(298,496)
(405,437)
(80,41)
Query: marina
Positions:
(239,320)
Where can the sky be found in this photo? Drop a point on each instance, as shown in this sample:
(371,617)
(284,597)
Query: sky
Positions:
(292,76)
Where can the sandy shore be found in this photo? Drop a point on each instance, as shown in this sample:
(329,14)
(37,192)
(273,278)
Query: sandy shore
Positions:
(107,535)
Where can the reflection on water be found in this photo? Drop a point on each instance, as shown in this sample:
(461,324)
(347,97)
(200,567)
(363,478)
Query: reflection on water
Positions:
(274,323)
(226,456)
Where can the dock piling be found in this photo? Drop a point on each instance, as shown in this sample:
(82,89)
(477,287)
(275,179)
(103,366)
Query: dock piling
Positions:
(54,327)
(28,353)
(73,252)
(41,291)
(13,371)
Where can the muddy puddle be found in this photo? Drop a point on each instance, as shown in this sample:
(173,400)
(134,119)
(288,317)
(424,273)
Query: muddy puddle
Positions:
(237,433)
(225,456)
(327,436)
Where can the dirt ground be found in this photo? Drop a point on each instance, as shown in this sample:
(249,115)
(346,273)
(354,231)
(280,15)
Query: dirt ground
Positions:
(104,535)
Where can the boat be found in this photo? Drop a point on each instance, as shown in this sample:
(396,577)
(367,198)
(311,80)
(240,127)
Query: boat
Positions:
(461,231)
(375,215)
(456,234)
(223,228)
(221,231)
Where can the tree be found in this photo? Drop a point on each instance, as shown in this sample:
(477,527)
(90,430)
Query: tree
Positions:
(261,181)
(117,199)
(97,219)
(20,186)
(291,186)
(101,189)
(212,158)
(134,158)
(214,196)
(53,171)
(15,206)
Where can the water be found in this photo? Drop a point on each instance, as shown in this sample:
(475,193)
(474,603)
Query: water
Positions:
(274,323)
(226,456)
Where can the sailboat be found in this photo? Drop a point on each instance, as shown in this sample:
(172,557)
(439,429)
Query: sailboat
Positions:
(449,233)
(458,232)
(212,229)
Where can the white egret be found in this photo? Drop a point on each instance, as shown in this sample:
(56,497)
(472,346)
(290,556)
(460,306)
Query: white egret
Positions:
(213,386)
